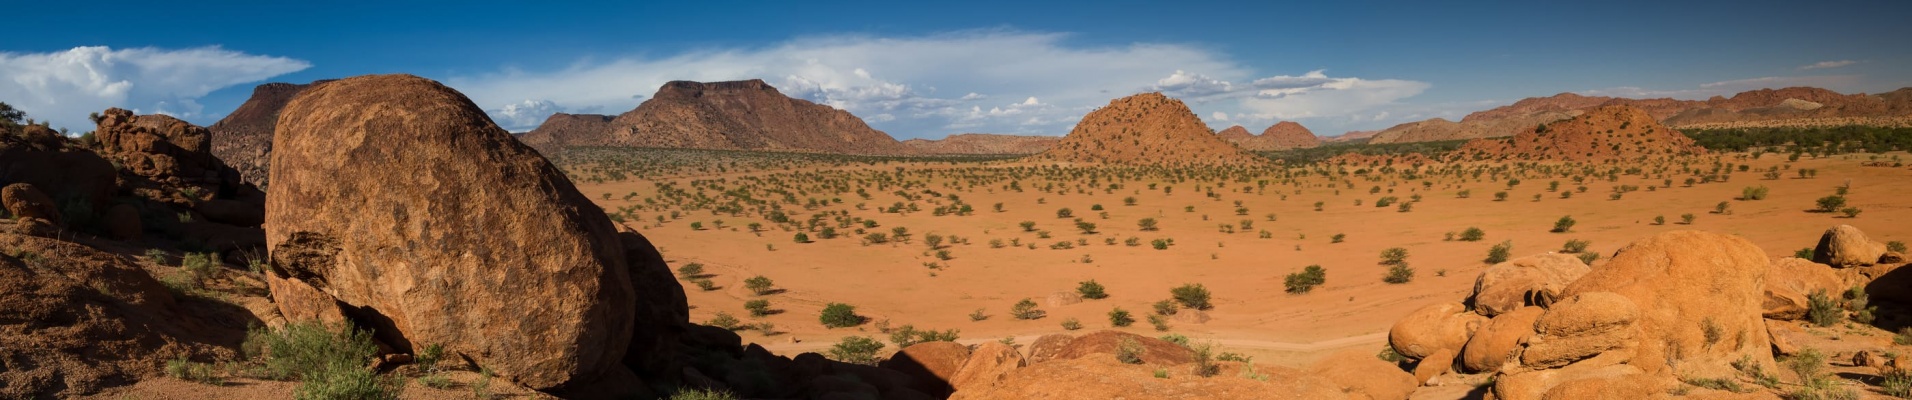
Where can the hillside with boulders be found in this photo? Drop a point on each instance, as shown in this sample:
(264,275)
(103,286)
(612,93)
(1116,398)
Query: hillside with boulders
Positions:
(1149,129)
(735,115)
(983,143)
(1608,133)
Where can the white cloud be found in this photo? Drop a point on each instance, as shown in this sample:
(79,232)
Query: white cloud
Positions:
(930,86)
(1219,116)
(62,87)
(1828,64)
(523,113)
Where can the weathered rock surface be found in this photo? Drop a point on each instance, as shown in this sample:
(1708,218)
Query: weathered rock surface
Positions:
(987,366)
(23,200)
(528,279)
(1432,328)
(1789,282)
(1104,343)
(932,365)
(1363,376)
(1495,343)
(1846,246)
(78,320)
(1526,281)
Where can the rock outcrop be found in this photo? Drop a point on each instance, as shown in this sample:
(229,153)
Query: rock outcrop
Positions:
(1846,246)
(1433,328)
(984,143)
(1637,321)
(1526,281)
(1793,106)
(1283,135)
(480,245)
(1361,375)
(737,115)
(1146,129)
(1601,134)
(1790,281)
(244,138)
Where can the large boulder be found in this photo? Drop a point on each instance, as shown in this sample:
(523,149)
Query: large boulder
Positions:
(1363,376)
(430,225)
(1846,246)
(62,173)
(1678,304)
(1048,346)
(1526,281)
(23,200)
(1790,280)
(1495,343)
(932,365)
(1432,328)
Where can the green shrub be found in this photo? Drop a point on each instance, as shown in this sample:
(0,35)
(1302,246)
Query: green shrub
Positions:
(1166,307)
(856,350)
(1192,295)
(1091,290)
(1805,253)
(1399,274)
(1588,258)
(1575,246)
(1753,193)
(330,363)
(1831,203)
(1159,321)
(200,265)
(1564,224)
(839,315)
(1120,318)
(691,271)
(703,394)
(1897,382)
(1500,252)
(1306,280)
(1071,324)
(1472,234)
(907,335)
(1026,310)
(759,285)
(1161,244)
(186,369)
(1895,246)
(1394,256)
(724,320)
(1822,310)
(757,307)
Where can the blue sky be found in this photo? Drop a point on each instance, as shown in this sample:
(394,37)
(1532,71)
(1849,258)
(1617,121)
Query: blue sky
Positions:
(928,69)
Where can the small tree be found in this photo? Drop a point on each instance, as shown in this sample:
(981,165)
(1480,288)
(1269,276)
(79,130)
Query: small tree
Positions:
(1306,280)
(1394,256)
(759,285)
(1064,213)
(934,241)
(802,238)
(856,350)
(1337,238)
(691,270)
(1028,226)
(1831,203)
(1687,218)
(1575,246)
(757,307)
(1166,307)
(1850,212)
(725,321)
(1500,252)
(839,315)
(1025,310)
(1086,227)
(1399,274)
(1120,318)
(1193,296)
(1146,224)
(1089,289)
(1564,224)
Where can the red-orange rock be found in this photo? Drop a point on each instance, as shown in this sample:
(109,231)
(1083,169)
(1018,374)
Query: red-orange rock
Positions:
(1361,375)
(987,366)
(1104,344)
(403,182)
(1147,128)
(932,365)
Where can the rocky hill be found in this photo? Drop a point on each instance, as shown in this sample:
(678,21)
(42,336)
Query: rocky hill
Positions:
(1605,133)
(1764,107)
(1147,128)
(561,129)
(243,139)
(736,115)
(984,143)
(1283,135)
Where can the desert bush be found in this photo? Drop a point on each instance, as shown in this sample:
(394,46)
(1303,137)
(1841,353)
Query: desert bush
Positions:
(1120,318)
(200,265)
(1473,234)
(1025,310)
(329,362)
(1575,246)
(1897,382)
(1753,193)
(1895,246)
(1337,238)
(691,270)
(1160,244)
(1027,226)
(1165,307)
(725,321)
(1659,220)
(1086,227)
(1091,290)
(1306,280)
(1860,303)
(859,350)
(1193,296)
(1831,203)
(757,307)
(801,238)
(1129,351)
(1071,324)
(1822,310)
(186,369)
(907,335)
(1394,256)
(1850,212)
(703,394)
(1564,224)
(979,315)
(1064,213)
(1399,274)
(760,285)
(1500,252)
(839,315)
(1160,322)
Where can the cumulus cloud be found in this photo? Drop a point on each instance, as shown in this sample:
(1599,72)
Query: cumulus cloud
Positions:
(930,86)
(1828,64)
(524,113)
(62,87)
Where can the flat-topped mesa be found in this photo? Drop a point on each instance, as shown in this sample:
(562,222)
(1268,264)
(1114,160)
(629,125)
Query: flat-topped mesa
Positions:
(734,115)
(243,139)
(1146,129)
